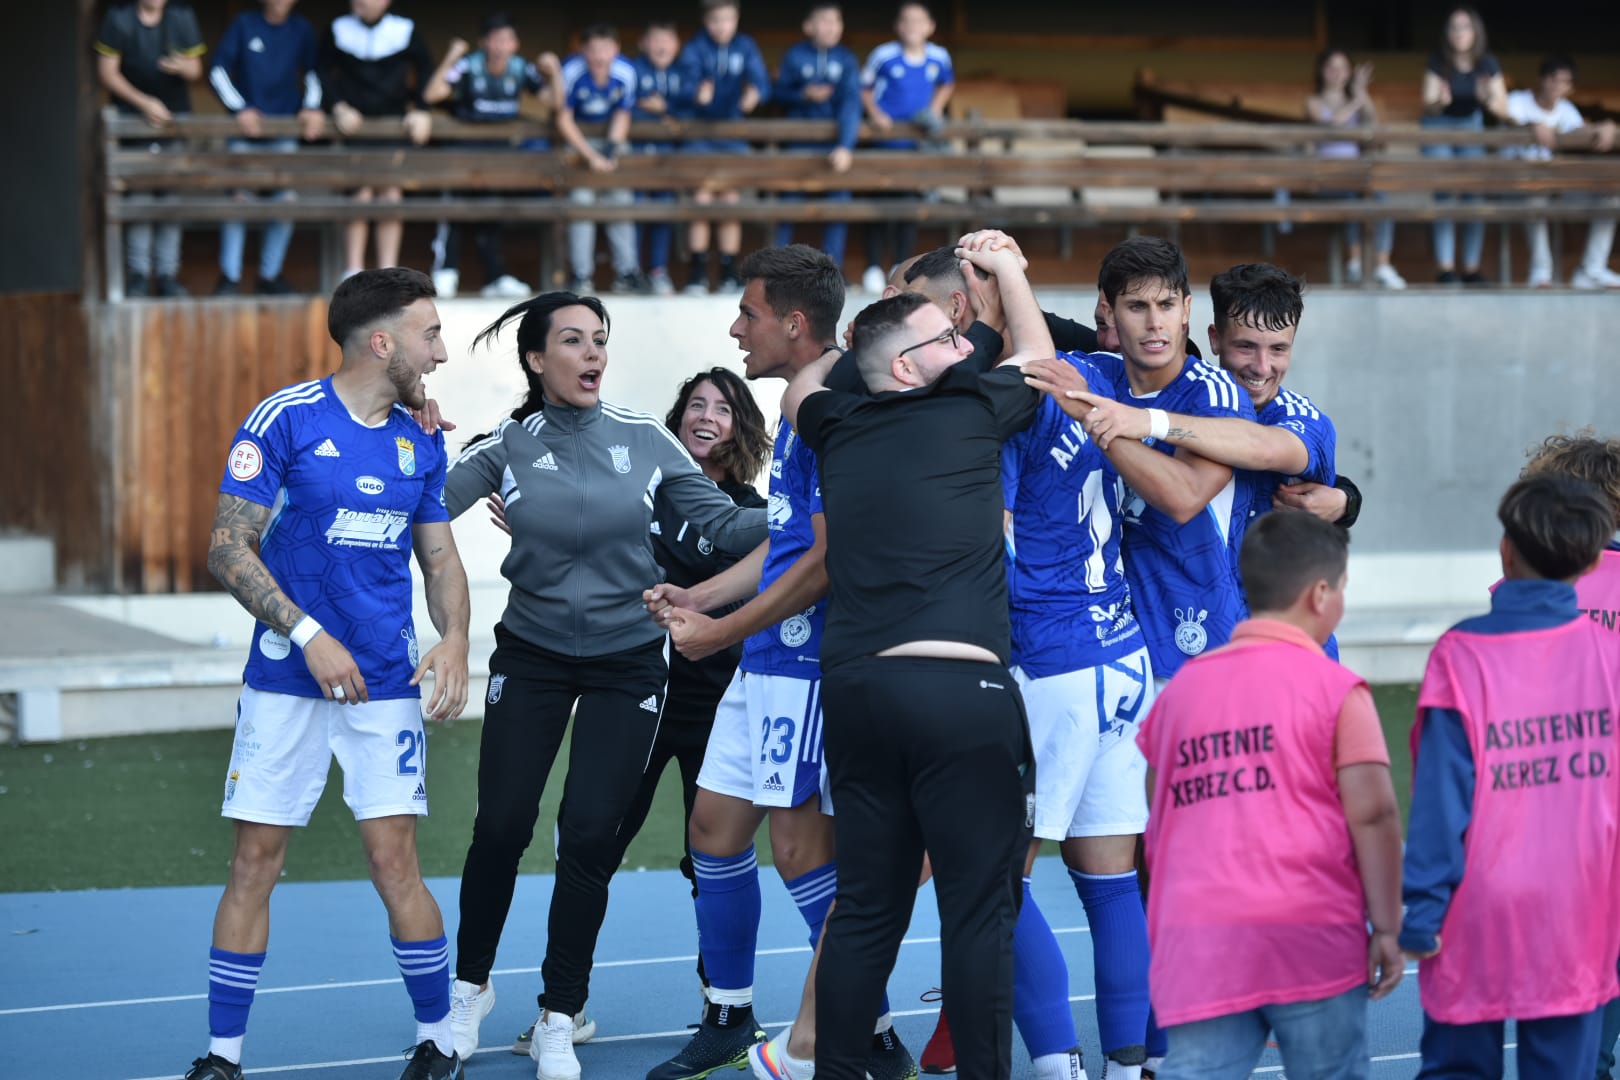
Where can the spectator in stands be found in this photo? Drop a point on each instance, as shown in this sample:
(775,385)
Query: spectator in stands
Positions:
(148,50)
(1462,83)
(664,90)
(1547,108)
(820,80)
(375,65)
(265,67)
(599,85)
(908,80)
(484,86)
(732,81)
(1341,100)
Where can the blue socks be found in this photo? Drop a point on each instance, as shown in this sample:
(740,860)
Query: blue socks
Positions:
(232,979)
(426,968)
(728,907)
(813,892)
(1040,984)
(1120,949)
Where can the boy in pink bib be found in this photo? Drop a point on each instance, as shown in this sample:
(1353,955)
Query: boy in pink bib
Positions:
(1274,835)
(1513,849)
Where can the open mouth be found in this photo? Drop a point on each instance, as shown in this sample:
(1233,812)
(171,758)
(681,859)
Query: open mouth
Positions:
(704,436)
(591,380)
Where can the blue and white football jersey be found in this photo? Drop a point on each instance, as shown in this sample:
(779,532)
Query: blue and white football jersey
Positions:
(1184,578)
(1296,413)
(1071,607)
(589,100)
(343,498)
(793,646)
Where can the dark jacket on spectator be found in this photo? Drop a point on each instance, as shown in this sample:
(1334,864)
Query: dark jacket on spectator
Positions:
(380,69)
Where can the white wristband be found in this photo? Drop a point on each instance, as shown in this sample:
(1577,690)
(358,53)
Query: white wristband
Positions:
(1158,423)
(304,631)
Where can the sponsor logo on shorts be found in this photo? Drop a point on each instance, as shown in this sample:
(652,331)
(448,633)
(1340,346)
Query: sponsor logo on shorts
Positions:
(369,485)
(246,461)
(421,792)
(274,646)
(774,783)
(621,458)
(367,528)
(328,448)
(497,683)
(230,785)
(407,455)
(650,705)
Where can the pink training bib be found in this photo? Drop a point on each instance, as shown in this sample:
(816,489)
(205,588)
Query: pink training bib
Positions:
(1256,897)
(1598,593)
(1532,930)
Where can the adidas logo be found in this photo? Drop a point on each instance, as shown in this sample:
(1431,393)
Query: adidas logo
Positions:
(651,704)
(548,463)
(774,783)
(421,792)
(327,449)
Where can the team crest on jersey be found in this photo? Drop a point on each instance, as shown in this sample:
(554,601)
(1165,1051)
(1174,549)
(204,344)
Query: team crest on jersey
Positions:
(1191,637)
(780,511)
(795,631)
(412,649)
(407,455)
(497,683)
(621,458)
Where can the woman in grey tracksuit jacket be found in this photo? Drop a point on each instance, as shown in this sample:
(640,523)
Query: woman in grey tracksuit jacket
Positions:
(581,479)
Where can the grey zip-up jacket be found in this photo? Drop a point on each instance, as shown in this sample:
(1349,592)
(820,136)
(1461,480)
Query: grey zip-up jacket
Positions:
(580,487)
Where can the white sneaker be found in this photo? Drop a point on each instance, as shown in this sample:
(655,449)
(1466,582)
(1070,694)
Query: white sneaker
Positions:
(1352,271)
(770,1060)
(468,1007)
(552,1047)
(506,286)
(1601,278)
(584,1030)
(873,281)
(446,282)
(1387,276)
(660,283)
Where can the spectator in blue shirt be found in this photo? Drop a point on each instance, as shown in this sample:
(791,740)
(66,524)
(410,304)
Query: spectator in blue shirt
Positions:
(664,91)
(600,85)
(265,66)
(484,86)
(908,80)
(732,81)
(820,80)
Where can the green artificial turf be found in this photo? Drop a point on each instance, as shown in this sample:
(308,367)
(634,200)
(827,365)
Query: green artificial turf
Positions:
(143,810)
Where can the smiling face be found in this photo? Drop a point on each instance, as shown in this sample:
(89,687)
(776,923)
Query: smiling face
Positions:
(705,422)
(1335,72)
(1151,320)
(416,350)
(661,45)
(499,47)
(1258,359)
(914,26)
(575,357)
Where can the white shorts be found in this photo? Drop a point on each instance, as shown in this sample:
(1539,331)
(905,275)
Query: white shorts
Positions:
(766,742)
(284,748)
(1090,777)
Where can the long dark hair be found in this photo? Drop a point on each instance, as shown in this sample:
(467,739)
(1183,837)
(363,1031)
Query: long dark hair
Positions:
(744,455)
(1321,62)
(534,324)
(1480,46)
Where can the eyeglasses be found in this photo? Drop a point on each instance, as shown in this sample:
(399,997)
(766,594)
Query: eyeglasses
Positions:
(950,337)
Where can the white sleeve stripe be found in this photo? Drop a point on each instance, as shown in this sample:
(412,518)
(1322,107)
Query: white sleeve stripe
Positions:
(228,94)
(288,391)
(270,417)
(473,449)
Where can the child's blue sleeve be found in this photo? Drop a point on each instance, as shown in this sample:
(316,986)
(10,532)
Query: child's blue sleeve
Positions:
(1442,805)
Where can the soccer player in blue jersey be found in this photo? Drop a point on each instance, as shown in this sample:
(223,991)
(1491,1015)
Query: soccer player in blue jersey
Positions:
(764,758)
(598,84)
(820,80)
(1081,661)
(910,80)
(732,81)
(329,487)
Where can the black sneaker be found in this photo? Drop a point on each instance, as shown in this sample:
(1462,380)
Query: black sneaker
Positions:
(1447,277)
(632,282)
(227,287)
(1474,279)
(137,285)
(214,1067)
(274,287)
(166,285)
(890,1060)
(428,1064)
(713,1048)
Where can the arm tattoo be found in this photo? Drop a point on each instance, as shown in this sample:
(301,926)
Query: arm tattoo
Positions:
(234,561)
(1180,433)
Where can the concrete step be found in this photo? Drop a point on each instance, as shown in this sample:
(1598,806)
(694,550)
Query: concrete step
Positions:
(27,565)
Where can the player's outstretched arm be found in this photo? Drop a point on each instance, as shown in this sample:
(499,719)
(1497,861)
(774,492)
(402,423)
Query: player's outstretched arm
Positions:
(233,559)
(450,608)
(1234,441)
